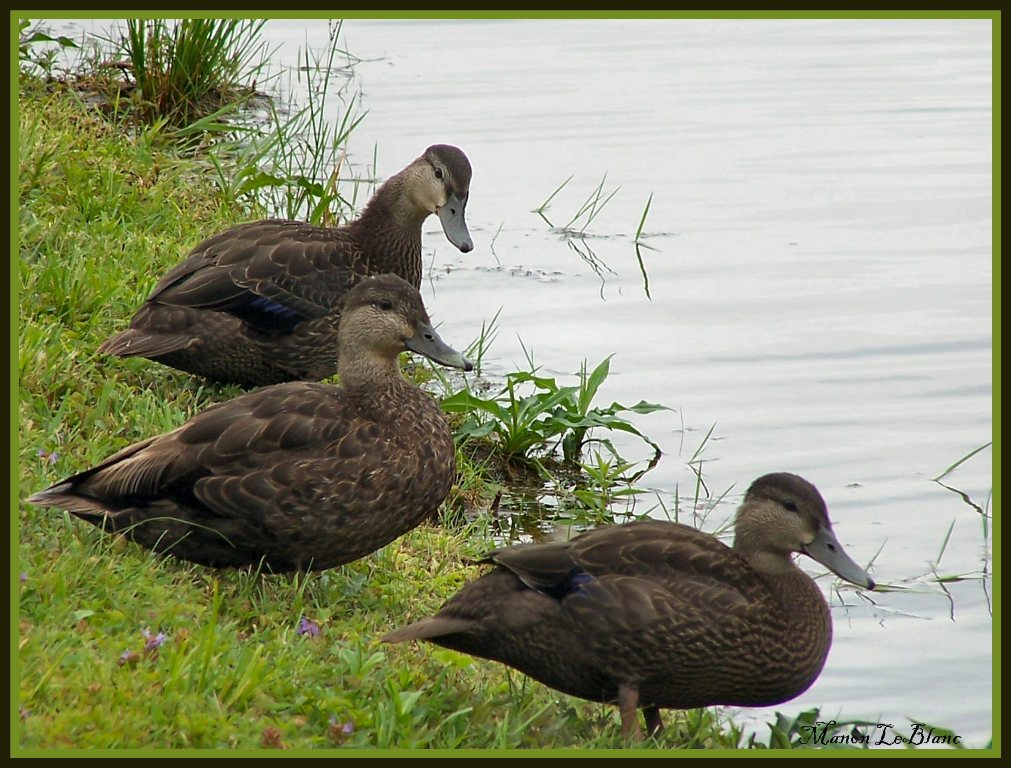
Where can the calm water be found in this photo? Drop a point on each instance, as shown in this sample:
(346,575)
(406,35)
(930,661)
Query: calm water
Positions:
(821,284)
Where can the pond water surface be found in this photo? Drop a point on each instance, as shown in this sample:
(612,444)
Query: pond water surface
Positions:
(821,284)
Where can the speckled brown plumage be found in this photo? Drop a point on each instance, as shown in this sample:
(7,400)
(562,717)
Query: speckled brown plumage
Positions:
(655,614)
(300,474)
(257,304)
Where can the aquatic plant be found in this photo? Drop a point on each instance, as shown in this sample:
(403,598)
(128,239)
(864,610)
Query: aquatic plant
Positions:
(34,53)
(639,245)
(587,211)
(525,425)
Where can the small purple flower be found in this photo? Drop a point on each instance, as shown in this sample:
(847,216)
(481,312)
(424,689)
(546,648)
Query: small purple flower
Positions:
(128,656)
(307,627)
(152,642)
(339,731)
(52,458)
(23,576)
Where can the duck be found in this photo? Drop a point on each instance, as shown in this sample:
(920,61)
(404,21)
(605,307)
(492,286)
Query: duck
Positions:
(655,614)
(296,476)
(255,305)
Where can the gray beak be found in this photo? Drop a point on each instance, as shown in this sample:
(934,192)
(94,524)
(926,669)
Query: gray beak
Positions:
(427,342)
(454,224)
(827,550)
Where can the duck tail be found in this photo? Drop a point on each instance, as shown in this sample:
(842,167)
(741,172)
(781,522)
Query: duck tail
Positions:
(134,343)
(65,496)
(430,628)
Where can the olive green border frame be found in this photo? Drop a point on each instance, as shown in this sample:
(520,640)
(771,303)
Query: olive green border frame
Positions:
(14,492)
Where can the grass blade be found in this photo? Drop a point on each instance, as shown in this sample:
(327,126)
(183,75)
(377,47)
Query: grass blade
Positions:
(962,460)
(544,206)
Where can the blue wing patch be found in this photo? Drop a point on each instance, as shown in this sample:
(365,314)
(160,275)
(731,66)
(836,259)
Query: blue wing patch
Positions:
(572,584)
(267,314)
(576,581)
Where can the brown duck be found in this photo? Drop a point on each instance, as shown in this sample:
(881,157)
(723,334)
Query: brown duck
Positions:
(655,614)
(256,304)
(300,475)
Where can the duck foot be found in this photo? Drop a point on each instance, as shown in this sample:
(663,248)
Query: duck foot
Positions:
(654,723)
(628,705)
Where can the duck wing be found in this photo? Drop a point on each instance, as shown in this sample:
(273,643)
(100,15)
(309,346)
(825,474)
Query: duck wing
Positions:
(236,444)
(635,576)
(272,274)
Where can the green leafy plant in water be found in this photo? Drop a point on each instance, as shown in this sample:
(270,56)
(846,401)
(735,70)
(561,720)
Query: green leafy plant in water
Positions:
(31,55)
(607,483)
(548,417)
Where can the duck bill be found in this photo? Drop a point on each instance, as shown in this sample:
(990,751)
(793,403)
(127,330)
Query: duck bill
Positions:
(427,342)
(827,550)
(454,224)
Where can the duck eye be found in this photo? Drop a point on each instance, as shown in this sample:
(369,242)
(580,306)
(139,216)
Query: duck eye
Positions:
(792,506)
(384,304)
(438,173)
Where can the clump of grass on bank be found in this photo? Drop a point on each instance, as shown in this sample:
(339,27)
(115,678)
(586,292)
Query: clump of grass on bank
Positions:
(191,68)
(184,75)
